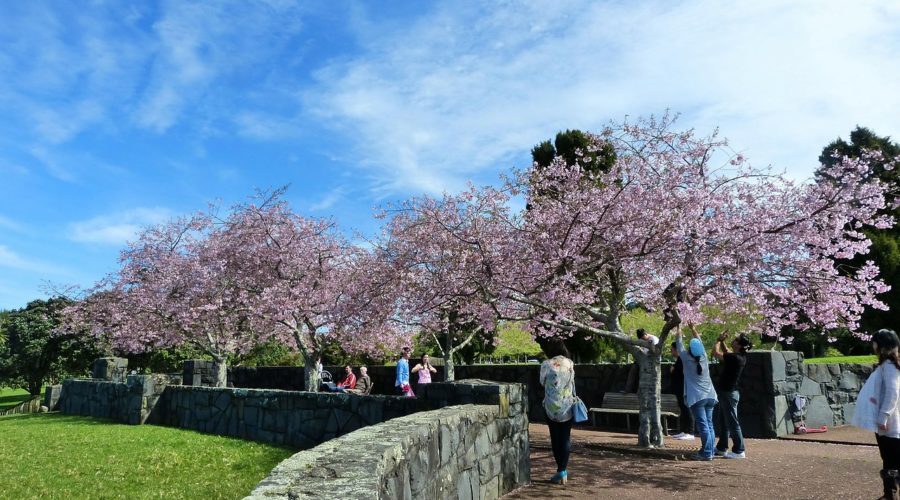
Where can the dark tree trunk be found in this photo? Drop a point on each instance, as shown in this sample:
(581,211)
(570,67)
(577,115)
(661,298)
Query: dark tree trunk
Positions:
(34,387)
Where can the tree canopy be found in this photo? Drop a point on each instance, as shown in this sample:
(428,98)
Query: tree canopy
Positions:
(34,352)
(881,153)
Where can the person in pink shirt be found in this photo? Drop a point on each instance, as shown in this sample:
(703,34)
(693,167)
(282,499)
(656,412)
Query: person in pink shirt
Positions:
(424,369)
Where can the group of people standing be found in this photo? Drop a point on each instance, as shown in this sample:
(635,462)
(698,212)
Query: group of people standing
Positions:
(691,382)
(423,369)
(697,393)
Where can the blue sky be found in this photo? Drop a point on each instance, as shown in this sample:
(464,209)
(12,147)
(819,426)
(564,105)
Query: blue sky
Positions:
(115,115)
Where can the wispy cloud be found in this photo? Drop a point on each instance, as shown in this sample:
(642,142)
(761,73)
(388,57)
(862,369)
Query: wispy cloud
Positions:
(200,45)
(329,200)
(118,228)
(12,260)
(469,86)
(108,66)
(7,223)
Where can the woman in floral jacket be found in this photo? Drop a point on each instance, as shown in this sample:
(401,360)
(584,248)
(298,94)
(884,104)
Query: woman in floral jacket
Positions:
(558,379)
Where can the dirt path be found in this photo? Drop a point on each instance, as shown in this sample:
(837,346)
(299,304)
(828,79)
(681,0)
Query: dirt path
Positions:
(604,466)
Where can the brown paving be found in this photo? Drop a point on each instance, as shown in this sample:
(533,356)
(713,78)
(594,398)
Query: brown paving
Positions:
(605,465)
(845,434)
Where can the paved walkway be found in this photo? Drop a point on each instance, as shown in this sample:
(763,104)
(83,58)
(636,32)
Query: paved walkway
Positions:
(608,465)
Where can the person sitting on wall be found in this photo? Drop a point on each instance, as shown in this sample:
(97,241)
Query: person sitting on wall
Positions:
(364,384)
(349,381)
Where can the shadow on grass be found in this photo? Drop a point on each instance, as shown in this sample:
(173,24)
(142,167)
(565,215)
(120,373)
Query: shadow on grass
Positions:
(8,401)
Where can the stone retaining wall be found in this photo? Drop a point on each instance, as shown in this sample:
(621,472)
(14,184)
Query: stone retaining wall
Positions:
(133,402)
(299,419)
(468,451)
(830,390)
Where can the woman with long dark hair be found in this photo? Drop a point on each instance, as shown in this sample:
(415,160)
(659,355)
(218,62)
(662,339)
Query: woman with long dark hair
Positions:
(558,378)
(699,394)
(877,408)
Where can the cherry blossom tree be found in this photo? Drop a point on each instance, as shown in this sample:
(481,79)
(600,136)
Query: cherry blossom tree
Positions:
(226,284)
(175,286)
(441,292)
(677,223)
(306,284)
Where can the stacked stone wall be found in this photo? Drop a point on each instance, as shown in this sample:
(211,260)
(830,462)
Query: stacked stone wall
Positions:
(133,402)
(298,419)
(463,451)
(769,383)
(830,390)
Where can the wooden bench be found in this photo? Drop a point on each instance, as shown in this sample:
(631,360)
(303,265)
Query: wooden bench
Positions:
(627,404)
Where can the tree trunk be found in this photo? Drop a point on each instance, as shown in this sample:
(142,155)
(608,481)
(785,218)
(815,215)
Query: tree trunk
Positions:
(449,350)
(34,387)
(221,368)
(449,373)
(650,434)
(311,372)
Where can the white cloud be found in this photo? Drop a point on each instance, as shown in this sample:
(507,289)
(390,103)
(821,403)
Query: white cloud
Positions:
(200,46)
(118,228)
(470,88)
(329,200)
(12,260)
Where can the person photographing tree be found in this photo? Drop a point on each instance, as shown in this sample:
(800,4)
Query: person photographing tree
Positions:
(699,394)
(727,390)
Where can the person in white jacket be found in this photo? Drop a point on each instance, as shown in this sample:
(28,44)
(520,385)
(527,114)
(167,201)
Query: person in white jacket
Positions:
(877,408)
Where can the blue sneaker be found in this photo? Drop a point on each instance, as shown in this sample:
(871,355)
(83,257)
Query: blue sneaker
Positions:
(560,477)
(700,458)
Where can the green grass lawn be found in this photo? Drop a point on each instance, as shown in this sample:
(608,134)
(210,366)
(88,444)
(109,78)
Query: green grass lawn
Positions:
(867,359)
(62,456)
(12,397)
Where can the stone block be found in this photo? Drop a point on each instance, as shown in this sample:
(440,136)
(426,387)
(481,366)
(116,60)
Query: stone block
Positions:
(847,412)
(809,387)
(818,412)
(491,490)
(778,364)
(222,400)
(112,369)
(464,486)
(52,395)
(251,415)
(781,423)
(849,381)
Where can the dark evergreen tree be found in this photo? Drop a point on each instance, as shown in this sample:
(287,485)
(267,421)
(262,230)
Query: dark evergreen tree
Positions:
(34,352)
(885,250)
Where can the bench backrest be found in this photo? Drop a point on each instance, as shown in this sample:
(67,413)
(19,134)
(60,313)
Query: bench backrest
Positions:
(629,401)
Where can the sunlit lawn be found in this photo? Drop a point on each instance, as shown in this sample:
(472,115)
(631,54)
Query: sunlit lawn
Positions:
(12,397)
(61,456)
(866,360)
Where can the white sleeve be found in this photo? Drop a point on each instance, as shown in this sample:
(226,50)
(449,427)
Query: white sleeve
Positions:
(890,385)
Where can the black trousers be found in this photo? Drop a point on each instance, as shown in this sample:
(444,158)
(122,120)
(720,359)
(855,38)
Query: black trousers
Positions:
(890,452)
(686,418)
(561,442)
